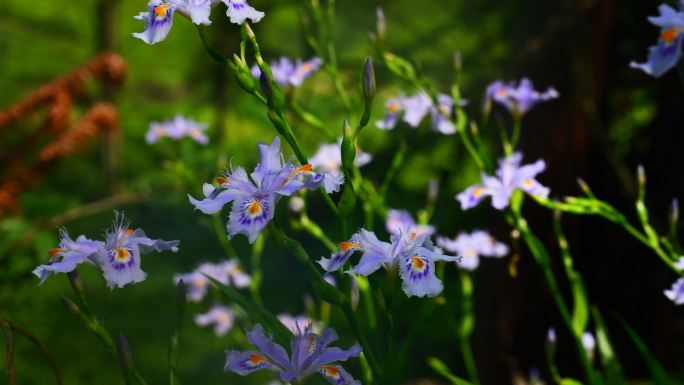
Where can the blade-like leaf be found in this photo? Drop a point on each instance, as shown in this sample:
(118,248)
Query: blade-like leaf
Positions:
(613,370)
(658,374)
(440,367)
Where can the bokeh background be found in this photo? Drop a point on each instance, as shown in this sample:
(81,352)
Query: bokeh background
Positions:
(609,119)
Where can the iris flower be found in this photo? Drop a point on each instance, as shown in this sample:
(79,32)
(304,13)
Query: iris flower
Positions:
(176,129)
(413,109)
(411,251)
(509,177)
(518,99)
(472,246)
(676,293)
(401,221)
(311,353)
(291,74)
(220,316)
(254,197)
(118,256)
(667,52)
(159,15)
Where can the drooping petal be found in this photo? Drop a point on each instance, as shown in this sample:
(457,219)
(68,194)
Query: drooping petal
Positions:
(375,253)
(158,21)
(329,355)
(418,276)
(214,202)
(337,375)
(665,54)
(472,196)
(338,259)
(148,245)
(249,215)
(68,255)
(676,293)
(121,266)
(198,10)
(244,363)
(239,11)
(274,352)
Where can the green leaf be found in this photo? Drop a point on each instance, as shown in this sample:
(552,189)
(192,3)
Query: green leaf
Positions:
(257,313)
(440,367)
(399,66)
(613,370)
(570,381)
(580,310)
(658,374)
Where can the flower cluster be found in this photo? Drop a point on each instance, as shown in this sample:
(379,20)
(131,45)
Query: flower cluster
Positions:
(518,99)
(290,74)
(666,54)
(254,197)
(509,177)
(159,15)
(414,108)
(118,256)
(411,251)
(310,354)
(176,129)
(472,246)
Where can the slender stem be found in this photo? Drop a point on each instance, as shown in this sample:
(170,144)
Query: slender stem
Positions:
(312,228)
(57,374)
(361,337)
(11,374)
(466,326)
(312,120)
(517,124)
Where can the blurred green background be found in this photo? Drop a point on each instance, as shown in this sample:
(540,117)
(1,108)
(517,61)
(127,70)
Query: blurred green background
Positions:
(608,119)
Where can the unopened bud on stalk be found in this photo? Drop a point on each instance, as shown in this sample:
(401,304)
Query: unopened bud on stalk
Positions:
(674,211)
(380,24)
(433,190)
(69,305)
(368,82)
(641,175)
(584,186)
(243,75)
(123,354)
(266,86)
(181,299)
(76,283)
(458,62)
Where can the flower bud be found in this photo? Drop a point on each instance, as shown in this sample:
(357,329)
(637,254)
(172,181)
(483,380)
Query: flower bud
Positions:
(368,82)
(380,24)
(674,211)
(458,62)
(243,75)
(69,305)
(266,86)
(641,175)
(181,299)
(123,354)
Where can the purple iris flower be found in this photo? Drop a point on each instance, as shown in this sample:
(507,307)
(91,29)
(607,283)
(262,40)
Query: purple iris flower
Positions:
(401,221)
(509,177)
(310,354)
(68,255)
(414,108)
(676,293)
(254,197)
(220,316)
(158,21)
(328,158)
(472,246)
(176,129)
(518,99)
(239,11)
(411,251)
(120,258)
(228,273)
(665,55)
(289,74)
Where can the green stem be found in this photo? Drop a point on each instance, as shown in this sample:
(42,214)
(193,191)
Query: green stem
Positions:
(57,374)
(543,260)
(312,120)
(517,124)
